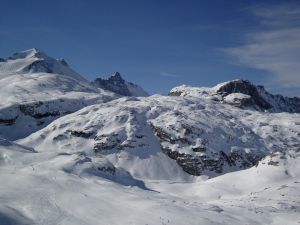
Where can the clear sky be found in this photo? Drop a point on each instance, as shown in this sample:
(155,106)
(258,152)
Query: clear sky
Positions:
(159,44)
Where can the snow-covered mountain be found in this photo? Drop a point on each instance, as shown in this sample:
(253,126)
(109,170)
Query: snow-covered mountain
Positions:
(203,136)
(35,61)
(117,84)
(37,89)
(74,152)
(244,94)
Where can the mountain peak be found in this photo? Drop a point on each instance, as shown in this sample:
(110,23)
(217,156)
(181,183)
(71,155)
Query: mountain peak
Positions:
(35,61)
(117,84)
(243,94)
(33,50)
(116,75)
(30,53)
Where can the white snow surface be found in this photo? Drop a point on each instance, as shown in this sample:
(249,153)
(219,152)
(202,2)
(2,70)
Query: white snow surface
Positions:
(74,154)
(236,97)
(153,189)
(60,188)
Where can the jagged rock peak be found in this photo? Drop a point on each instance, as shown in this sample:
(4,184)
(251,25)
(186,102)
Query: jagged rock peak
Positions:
(116,75)
(117,84)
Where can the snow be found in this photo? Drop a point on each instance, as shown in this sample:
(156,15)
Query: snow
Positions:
(42,188)
(124,128)
(30,100)
(34,61)
(71,153)
(236,98)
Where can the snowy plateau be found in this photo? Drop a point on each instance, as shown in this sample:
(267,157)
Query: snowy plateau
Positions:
(75,152)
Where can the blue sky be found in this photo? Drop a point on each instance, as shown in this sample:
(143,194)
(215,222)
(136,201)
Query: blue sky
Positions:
(160,44)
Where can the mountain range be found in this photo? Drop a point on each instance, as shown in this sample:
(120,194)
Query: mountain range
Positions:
(74,151)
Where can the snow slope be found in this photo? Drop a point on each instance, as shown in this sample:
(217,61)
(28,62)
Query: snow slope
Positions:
(71,188)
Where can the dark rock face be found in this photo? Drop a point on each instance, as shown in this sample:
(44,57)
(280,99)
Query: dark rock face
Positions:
(286,104)
(31,110)
(198,164)
(245,87)
(82,134)
(8,122)
(107,169)
(175,93)
(38,66)
(2,60)
(114,83)
(260,98)
(106,142)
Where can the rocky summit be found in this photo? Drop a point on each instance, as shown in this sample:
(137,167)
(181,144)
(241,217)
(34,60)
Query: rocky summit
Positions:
(117,84)
(244,94)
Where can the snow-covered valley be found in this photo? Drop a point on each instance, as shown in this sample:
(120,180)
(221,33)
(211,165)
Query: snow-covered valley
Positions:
(103,152)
